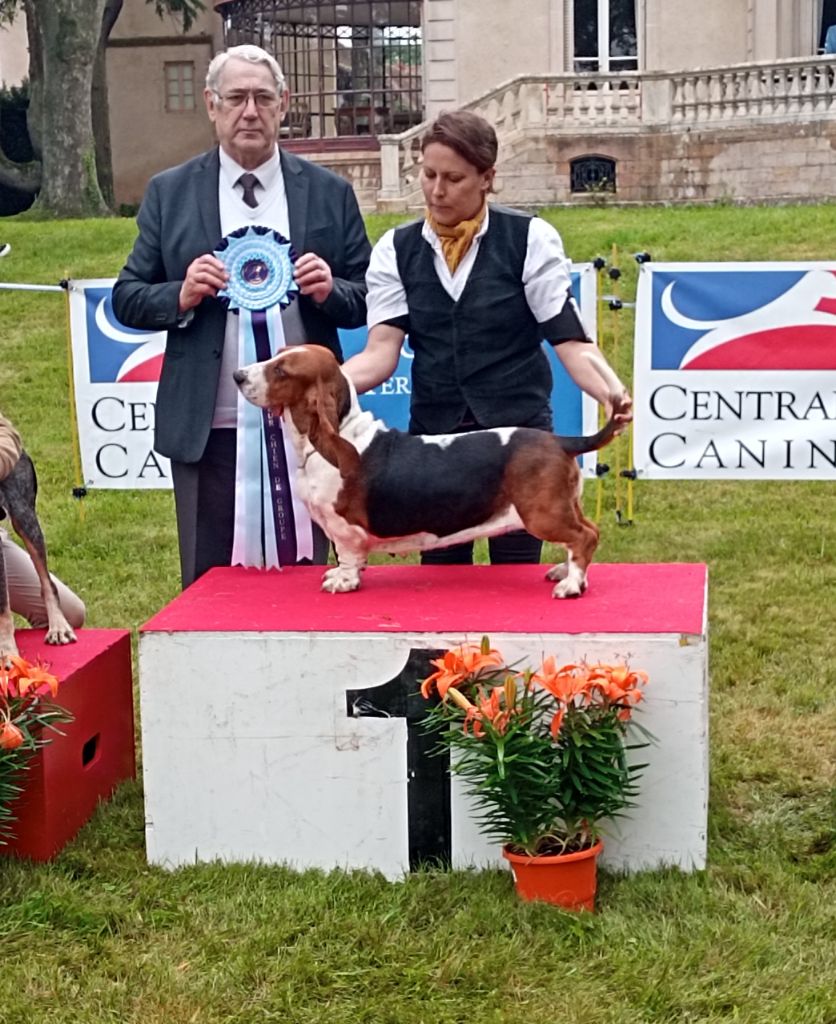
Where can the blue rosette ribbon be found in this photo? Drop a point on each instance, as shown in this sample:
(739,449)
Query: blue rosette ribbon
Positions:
(259,262)
(272,525)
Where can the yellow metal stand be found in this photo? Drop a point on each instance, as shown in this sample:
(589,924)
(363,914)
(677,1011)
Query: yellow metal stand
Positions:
(79,490)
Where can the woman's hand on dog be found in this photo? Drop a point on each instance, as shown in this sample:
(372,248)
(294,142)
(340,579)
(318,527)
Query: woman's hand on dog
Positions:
(619,407)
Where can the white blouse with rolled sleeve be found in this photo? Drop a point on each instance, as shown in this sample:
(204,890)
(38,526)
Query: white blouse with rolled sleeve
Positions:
(546,274)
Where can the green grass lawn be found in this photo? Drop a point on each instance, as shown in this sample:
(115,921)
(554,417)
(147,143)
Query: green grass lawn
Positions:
(99,936)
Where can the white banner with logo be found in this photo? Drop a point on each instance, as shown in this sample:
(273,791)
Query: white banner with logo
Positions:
(116,370)
(735,371)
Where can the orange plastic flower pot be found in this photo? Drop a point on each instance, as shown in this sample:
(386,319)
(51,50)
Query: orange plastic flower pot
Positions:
(567,880)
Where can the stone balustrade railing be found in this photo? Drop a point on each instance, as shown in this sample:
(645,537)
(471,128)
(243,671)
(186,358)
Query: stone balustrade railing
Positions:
(801,88)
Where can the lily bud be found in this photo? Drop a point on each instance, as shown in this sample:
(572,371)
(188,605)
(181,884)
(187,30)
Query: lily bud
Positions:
(10,736)
(458,698)
(510,692)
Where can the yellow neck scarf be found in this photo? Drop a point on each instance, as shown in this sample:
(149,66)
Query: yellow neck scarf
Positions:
(456,240)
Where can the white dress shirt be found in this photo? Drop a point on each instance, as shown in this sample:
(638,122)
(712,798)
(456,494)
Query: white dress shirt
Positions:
(271,212)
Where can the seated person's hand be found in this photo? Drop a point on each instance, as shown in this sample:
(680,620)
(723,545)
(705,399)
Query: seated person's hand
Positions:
(313,275)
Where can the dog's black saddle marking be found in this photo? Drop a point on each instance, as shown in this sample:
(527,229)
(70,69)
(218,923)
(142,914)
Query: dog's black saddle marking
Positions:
(416,485)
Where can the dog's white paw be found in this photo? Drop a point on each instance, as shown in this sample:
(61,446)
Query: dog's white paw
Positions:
(573,585)
(558,572)
(340,580)
(60,635)
(567,589)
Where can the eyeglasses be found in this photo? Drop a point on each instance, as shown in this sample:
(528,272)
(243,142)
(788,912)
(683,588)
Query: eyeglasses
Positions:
(240,98)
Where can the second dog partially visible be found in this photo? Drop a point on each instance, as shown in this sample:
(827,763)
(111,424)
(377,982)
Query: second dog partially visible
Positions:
(18,489)
(371,488)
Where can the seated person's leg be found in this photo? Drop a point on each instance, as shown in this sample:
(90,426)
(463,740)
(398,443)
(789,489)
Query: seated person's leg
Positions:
(25,589)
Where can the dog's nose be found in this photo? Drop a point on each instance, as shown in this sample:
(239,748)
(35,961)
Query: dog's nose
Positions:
(239,376)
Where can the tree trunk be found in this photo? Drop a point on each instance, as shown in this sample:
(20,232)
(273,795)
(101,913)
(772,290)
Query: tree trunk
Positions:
(101,126)
(36,78)
(69,34)
(99,101)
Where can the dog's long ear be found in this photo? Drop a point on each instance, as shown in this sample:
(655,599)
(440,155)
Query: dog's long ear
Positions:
(324,409)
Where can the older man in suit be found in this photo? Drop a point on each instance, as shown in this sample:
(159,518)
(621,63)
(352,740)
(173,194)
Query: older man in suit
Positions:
(171,282)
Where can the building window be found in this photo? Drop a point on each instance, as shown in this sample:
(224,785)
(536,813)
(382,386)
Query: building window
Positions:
(353,68)
(605,37)
(179,86)
(827,36)
(592,174)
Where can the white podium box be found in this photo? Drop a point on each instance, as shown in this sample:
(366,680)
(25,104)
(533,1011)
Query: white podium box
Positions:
(280,723)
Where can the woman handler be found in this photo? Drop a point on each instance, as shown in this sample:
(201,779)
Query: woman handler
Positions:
(477,288)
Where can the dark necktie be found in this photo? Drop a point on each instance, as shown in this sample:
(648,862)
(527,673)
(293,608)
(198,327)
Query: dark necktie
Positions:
(248,182)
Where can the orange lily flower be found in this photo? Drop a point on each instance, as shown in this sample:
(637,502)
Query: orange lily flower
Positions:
(619,685)
(556,723)
(37,679)
(490,709)
(20,666)
(564,683)
(457,666)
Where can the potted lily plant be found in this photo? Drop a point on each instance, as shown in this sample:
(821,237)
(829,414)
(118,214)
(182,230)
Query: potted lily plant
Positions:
(544,756)
(27,715)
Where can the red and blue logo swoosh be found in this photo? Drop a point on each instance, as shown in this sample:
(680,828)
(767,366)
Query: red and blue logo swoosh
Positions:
(737,319)
(117,353)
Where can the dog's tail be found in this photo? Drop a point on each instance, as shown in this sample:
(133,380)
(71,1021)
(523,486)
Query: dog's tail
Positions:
(582,445)
(10,447)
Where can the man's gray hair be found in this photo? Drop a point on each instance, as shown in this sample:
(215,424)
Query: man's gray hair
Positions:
(254,54)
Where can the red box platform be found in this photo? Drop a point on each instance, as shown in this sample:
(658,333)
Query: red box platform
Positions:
(67,778)
(466,599)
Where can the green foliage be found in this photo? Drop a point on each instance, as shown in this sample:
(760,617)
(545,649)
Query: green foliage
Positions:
(512,773)
(14,134)
(594,779)
(14,764)
(27,716)
(187,9)
(14,143)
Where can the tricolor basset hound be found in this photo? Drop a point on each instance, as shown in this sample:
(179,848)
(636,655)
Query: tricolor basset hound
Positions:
(375,489)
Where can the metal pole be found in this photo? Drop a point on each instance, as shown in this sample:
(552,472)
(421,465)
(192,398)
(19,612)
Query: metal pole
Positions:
(32,287)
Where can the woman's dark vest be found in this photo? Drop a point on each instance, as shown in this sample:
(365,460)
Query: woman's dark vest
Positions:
(483,353)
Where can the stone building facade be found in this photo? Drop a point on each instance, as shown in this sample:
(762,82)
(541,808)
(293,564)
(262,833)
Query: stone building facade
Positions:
(641,100)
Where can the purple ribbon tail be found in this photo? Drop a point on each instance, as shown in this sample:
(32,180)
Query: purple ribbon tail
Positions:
(279,473)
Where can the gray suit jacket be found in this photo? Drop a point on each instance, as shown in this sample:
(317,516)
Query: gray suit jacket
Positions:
(178,221)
